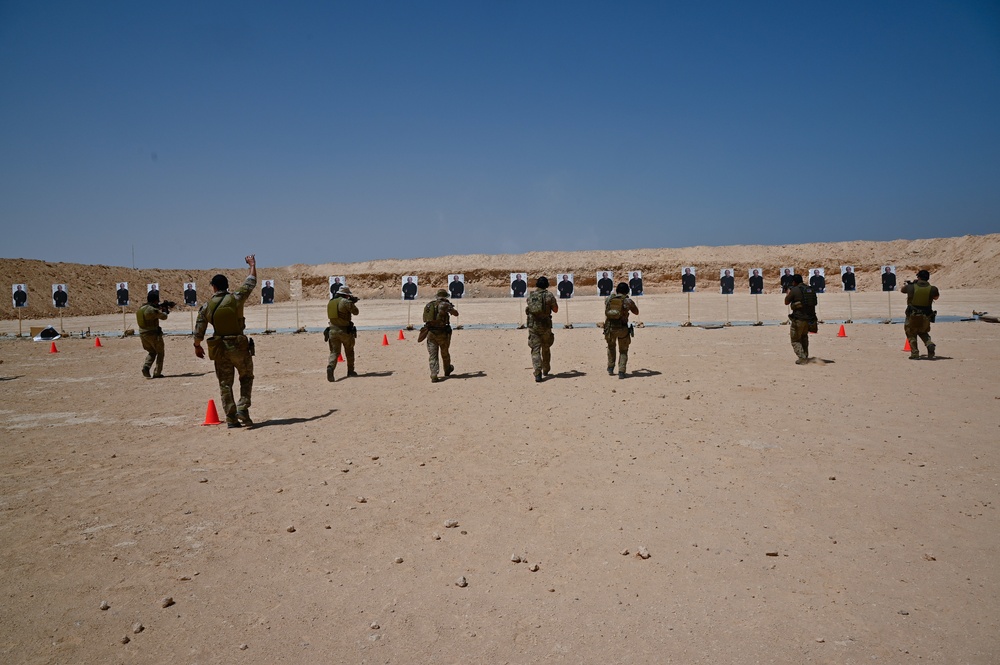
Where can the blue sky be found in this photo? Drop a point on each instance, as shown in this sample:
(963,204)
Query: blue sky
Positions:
(310,132)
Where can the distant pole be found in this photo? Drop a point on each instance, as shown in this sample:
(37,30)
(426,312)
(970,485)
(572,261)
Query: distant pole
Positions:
(297,315)
(888,300)
(18,321)
(408,306)
(727,309)
(756,304)
(689,307)
(124,325)
(266,310)
(191,312)
(850,309)
(567,312)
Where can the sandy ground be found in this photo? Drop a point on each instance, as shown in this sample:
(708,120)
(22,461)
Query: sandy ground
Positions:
(830,513)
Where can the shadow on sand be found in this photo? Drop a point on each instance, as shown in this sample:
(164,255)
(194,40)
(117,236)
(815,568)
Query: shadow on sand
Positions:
(468,375)
(643,373)
(292,421)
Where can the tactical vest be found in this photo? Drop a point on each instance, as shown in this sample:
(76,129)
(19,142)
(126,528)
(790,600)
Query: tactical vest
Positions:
(338,317)
(615,309)
(436,314)
(538,305)
(225,313)
(804,306)
(147,319)
(920,296)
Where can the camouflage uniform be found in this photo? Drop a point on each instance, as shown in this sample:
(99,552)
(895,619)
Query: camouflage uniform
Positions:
(148,318)
(342,332)
(617,331)
(231,350)
(439,337)
(540,336)
(920,296)
(799,320)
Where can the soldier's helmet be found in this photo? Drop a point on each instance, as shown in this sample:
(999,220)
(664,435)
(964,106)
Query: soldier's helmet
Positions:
(442,293)
(345,291)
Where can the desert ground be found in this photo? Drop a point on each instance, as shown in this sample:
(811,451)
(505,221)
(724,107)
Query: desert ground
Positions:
(839,512)
(721,504)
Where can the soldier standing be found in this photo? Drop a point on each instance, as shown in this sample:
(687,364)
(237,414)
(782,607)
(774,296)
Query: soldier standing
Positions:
(540,307)
(616,327)
(148,318)
(342,331)
(920,295)
(437,330)
(802,319)
(231,350)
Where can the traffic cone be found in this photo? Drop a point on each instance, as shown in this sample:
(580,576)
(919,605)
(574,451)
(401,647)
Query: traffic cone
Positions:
(53,349)
(97,342)
(906,347)
(385,341)
(340,358)
(211,415)
(842,332)
(401,335)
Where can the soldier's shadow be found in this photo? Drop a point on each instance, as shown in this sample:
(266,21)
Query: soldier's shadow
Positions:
(292,421)
(644,373)
(571,374)
(10,378)
(184,375)
(936,358)
(375,374)
(468,375)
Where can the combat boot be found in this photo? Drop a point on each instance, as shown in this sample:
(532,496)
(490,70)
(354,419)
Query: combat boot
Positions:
(449,370)
(244,418)
(611,370)
(930,350)
(329,373)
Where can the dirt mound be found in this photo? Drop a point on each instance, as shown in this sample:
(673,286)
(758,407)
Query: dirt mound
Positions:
(963,262)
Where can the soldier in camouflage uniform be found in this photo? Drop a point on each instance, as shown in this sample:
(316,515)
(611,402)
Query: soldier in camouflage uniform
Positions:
(148,318)
(231,350)
(616,328)
(920,297)
(439,333)
(540,307)
(802,318)
(342,331)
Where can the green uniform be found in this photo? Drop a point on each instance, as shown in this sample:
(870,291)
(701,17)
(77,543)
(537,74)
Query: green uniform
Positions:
(802,317)
(342,332)
(616,332)
(920,296)
(228,346)
(540,336)
(439,338)
(148,318)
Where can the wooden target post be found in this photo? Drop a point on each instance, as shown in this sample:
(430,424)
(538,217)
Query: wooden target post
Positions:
(850,309)
(295,293)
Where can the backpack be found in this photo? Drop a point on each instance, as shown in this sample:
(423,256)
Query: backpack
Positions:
(538,305)
(430,312)
(614,308)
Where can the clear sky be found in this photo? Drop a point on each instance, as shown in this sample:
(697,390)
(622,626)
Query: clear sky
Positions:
(308,132)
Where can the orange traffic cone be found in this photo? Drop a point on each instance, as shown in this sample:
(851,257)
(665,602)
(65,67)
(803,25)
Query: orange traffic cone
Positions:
(340,358)
(385,341)
(211,415)
(53,349)
(97,342)
(842,332)
(401,335)
(906,347)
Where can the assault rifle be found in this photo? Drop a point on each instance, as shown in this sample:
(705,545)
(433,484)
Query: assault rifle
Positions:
(166,306)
